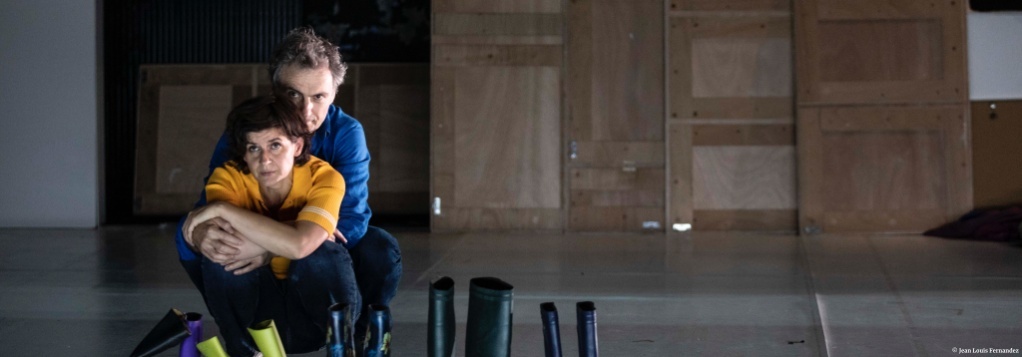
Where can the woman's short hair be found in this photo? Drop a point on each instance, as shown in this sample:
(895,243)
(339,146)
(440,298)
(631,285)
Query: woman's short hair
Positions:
(261,113)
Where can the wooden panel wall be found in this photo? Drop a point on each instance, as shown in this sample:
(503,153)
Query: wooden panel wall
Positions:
(882,119)
(615,96)
(496,115)
(997,152)
(181,113)
(392,103)
(731,124)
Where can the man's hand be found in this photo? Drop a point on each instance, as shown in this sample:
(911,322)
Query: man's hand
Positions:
(243,266)
(215,239)
(339,237)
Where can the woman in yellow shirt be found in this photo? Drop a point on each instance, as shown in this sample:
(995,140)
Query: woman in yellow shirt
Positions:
(281,204)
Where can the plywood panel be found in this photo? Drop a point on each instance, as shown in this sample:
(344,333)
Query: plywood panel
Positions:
(730,67)
(997,152)
(499,219)
(190,117)
(730,5)
(618,154)
(897,169)
(746,220)
(746,177)
(741,68)
(627,70)
(880,51)
(508,6)
(615,97)
(883,170)
(743,135)
(519,24)
(393,107)
(653,197)
(182,111)
(616,218)
(507,138)
(911,47)
(617,179)
(522,55)
(731,109)
(680,203)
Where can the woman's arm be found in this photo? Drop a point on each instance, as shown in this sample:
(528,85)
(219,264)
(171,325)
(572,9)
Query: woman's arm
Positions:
(278,238)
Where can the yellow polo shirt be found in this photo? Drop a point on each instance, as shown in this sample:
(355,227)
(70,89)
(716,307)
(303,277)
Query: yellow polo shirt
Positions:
(316,193)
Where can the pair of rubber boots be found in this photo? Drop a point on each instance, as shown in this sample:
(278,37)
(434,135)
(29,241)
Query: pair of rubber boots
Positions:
(176,328)
(341,337)
(186,329)
(490,309)
(585,312)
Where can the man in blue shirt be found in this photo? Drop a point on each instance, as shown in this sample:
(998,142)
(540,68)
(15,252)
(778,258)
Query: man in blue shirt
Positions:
(308,69)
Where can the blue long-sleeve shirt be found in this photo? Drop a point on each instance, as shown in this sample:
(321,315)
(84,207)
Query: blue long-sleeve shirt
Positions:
(339,141)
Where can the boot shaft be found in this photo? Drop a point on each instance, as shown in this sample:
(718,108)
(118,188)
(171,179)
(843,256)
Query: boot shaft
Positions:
(440,337)
(551,330)
(341,337)
(490,311)
(586,318)
(377,343)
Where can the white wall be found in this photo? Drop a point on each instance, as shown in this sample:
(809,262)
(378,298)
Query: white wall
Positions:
(49,127)
(995,55)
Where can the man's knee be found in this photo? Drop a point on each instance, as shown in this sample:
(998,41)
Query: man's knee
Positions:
(329,259)
(378,245)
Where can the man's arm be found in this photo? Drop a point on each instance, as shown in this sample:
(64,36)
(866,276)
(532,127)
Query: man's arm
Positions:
(351,159)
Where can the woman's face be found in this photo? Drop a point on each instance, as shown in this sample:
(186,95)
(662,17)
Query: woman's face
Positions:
(270,155)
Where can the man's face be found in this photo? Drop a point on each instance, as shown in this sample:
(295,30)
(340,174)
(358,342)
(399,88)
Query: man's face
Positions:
(311,89)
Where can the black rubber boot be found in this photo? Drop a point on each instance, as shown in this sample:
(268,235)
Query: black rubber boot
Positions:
(551,330)
(440,337)
(490,311)
(587,345)
(169,332)
(377,343)
(341,339)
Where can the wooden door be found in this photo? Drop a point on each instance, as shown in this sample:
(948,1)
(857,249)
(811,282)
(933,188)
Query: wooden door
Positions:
(731,122)
(997,152)
(615,104)
(882,115)
(496,115)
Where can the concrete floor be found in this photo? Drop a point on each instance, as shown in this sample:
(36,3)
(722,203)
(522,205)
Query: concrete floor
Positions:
(97,292)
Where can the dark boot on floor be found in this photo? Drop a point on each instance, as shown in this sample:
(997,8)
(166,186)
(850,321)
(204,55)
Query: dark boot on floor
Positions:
(440,337)
(551,329)
(167,333)
(377,342)
(341,339)
(194,322)
(587,345)
(490,306)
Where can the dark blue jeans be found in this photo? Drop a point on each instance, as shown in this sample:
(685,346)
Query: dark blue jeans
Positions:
(298,305)
(376,261)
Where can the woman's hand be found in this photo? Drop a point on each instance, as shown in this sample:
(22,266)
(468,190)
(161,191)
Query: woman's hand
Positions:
(244,266)
(200,215)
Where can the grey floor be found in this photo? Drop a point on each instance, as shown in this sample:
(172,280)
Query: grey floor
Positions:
(97,292)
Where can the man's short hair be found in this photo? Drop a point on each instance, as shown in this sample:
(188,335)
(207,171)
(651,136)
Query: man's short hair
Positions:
(303,47)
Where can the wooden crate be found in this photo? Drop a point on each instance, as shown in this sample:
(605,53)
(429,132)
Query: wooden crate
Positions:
(731,127)
(496,115)
(883,123)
